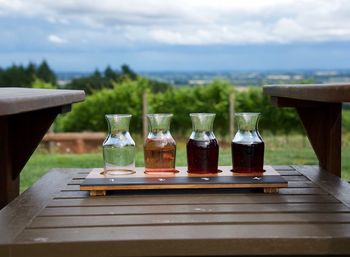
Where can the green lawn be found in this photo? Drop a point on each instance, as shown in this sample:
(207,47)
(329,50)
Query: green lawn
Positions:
(279,151)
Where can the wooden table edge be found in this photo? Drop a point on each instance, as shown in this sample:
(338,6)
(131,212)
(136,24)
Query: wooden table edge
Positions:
(332,184)
(31,202)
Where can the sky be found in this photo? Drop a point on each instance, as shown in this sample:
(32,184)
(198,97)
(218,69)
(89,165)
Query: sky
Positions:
(176,35)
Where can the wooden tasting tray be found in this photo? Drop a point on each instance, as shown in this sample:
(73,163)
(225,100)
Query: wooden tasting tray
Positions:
(98,183)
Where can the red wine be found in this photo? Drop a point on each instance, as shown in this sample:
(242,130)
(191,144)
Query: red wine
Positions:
(248,157)
(202,156)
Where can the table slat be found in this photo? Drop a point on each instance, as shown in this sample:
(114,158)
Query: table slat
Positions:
(195,199)
(184,219)
(306,218)
(200,208)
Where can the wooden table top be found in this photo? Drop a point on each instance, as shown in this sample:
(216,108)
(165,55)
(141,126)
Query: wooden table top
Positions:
(54,218)
(331,93)
(16,100)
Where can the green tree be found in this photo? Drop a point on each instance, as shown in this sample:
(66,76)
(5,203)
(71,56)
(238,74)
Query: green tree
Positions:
(38,83)
(30,73)
(106,79)
(125,97)
(112,75)
(45,73)
(273,119)
(183,101)
(129,73)
(92,83)
(158,86)
(14,76)
(97,74)
(20,76)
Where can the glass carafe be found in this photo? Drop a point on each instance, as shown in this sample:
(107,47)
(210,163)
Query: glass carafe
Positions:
(202,147)
(160,146)
(247,145)
(118,147)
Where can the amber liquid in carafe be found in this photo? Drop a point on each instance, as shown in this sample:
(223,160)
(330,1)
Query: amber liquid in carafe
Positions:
(202,156)
(159,156)
(248,157)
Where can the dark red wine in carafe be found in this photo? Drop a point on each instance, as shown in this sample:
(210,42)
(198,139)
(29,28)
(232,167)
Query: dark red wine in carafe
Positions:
(202,156)
(248,157)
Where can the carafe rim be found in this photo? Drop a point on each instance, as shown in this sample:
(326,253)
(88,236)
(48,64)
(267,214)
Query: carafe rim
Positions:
(248,113)
(202,113)
(160,115)
(119,115)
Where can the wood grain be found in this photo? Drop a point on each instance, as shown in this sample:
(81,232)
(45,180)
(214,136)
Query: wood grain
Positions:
(319,108)
(156,236)
(182,199)
(329,93)
(323,128)
(18,100)
(16,215)
(332,185)
(258,198)
(97,182)
(195,209)
(225,246)
(185,219)
(25,116)
(9,185)
(308,219)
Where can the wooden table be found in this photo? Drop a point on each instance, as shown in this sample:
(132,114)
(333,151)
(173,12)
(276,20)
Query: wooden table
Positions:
(319,108)
(53,218)
(25,116)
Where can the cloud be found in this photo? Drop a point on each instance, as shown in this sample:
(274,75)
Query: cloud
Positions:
(188,22)
(56,39)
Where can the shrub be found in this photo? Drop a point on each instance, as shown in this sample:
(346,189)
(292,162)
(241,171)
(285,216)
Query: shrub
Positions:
(273,119)
(126,97)
(89,115)
(183,101)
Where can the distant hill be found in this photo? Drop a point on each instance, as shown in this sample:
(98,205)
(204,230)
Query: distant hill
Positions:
(239,78)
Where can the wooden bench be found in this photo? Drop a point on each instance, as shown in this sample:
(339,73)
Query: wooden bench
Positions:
(25,116)
(319,108)
(54,219)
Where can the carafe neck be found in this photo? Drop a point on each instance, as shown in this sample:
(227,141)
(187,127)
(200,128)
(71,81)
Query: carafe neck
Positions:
(247,121)
(118,123)
(159,123)
(202,122)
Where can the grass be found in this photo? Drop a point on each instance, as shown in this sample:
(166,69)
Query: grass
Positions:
(279,150)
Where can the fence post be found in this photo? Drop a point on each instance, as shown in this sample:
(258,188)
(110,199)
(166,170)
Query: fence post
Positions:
(51,144)
(232,113)
(144,115)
